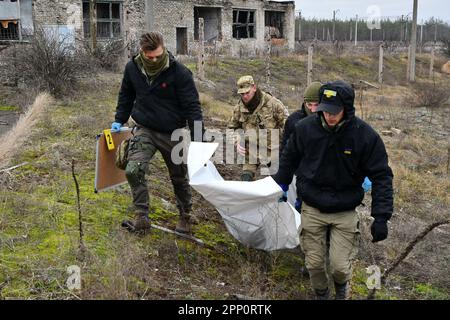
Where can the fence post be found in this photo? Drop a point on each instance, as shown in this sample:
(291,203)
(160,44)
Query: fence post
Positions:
(432,63)
(408,70)
(310,64)
(380,64)
(268,60)
(201,49)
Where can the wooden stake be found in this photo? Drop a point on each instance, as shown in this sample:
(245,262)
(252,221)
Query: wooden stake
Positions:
(310,64)
(201,49)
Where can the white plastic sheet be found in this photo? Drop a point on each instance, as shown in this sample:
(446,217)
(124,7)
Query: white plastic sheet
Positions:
(250,210)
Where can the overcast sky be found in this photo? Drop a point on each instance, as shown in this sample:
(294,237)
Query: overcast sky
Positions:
(351,8)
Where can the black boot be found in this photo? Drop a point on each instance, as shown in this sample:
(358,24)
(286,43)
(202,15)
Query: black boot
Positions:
(322,294)
(342,291)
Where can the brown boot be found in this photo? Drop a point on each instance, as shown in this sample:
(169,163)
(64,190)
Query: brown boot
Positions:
(183,225)
(141,223)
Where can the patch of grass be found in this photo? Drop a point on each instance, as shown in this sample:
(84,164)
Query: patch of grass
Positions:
(427,291)
(9,108)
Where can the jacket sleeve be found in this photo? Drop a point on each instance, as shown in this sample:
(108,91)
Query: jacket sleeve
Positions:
(188,98)
(290,159)
(376,167)
(234,120)
(127,96)
(280,113)
(288,126)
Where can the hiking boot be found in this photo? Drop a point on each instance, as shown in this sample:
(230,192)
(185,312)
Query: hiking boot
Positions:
(342,291)
(183,225)
(140,224)
(322,294)
(247,176)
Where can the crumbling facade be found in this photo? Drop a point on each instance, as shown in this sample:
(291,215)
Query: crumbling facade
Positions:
(231,27)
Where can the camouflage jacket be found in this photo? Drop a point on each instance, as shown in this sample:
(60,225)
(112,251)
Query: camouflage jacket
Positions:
(269,114)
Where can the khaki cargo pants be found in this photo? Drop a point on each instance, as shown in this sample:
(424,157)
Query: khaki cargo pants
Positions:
(344,243)
(143,147)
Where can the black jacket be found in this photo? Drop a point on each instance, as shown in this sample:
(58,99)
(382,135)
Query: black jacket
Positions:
(331,166)
(289,126)
(165,105)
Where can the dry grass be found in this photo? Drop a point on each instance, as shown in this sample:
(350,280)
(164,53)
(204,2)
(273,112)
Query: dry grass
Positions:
(13,139)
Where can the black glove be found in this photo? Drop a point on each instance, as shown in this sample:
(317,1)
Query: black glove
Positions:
(379,230)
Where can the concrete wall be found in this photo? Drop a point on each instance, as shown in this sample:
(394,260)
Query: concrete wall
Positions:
(167,15)
(9,10)
(139,16)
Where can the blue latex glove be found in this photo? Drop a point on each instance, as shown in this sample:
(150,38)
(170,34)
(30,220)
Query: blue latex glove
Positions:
(285,189)
(298,205)
(115,127)
(367,184)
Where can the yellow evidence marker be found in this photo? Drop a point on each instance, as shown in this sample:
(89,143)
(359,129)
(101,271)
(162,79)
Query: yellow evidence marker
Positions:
(109,139)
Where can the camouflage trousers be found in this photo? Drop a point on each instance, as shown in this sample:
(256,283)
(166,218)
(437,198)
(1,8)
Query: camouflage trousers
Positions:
(344,244)
(143,147)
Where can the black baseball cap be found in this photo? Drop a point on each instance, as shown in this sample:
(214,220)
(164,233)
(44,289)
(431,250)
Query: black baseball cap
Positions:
(334,96)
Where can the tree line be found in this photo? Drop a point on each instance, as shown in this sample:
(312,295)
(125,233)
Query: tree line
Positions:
(389,30)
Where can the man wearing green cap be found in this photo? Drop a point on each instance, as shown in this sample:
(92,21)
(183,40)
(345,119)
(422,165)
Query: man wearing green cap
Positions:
(256,110)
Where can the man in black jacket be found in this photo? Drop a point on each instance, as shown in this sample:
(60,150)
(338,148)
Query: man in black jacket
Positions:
(331,153)
(159,94)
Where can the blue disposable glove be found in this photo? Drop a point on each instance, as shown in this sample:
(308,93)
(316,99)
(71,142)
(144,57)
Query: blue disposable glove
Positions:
(285,189)
(298,205)
(367,184)
(115,127)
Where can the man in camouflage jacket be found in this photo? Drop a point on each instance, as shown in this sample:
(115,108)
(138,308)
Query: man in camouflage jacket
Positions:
(256,111)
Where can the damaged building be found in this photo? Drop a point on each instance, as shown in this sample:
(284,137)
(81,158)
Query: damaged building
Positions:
(230,27)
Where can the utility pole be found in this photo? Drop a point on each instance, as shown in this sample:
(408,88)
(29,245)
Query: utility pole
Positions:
(412,68)
(356,31)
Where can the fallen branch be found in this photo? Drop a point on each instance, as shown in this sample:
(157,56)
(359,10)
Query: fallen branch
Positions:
(183,235)
(405,253)
(14,167)
(80,226)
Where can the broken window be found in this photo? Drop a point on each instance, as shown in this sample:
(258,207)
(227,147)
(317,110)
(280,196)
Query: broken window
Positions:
(212,20)
(9,30)
(243,24)
(274,21)
(108,19)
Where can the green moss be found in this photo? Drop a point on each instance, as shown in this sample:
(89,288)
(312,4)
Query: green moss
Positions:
(427,291)
(9,108)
